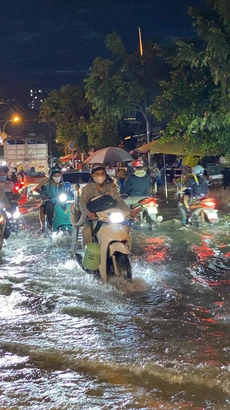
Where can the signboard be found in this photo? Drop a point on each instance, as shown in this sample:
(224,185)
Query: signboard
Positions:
(71,146)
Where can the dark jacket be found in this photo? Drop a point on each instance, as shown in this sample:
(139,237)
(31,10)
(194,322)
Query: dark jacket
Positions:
(197,189)
(137,185)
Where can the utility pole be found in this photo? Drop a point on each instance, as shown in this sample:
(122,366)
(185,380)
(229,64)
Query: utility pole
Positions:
(146,114)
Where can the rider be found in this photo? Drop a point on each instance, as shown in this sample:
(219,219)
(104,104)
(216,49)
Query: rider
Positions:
(13,176)
(6,191)
(137,185)
(5,184)
(197,187)
(99,185)
(49,192)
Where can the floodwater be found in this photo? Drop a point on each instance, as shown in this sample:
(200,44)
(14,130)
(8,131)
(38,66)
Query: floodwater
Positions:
(69,341)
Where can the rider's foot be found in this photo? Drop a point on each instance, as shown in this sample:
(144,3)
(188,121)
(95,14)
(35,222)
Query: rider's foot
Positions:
(79,258)
(41,231)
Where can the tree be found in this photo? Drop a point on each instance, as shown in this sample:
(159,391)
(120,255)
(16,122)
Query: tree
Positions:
(125,82)
(68,109)
(196,98)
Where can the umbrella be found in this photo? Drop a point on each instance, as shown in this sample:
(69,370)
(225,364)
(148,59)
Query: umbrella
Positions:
(109,154)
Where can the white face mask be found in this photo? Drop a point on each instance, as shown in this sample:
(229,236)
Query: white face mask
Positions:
(57,180)
(99,180)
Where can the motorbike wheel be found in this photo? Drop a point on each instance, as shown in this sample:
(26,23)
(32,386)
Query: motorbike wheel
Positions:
(123,266)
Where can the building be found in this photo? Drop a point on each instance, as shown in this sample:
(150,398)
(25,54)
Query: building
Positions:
(37,95)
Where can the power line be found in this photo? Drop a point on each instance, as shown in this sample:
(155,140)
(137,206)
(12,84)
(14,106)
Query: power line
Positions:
(44,55)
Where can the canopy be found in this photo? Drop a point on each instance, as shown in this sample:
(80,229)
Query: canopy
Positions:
(176,147)
(70,157)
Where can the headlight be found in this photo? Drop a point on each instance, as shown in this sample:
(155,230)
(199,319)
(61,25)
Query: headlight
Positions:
(8,214)
(63,198)
(16,215)
(116,217)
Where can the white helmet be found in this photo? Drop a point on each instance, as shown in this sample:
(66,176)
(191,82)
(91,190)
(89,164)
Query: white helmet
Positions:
(198,170)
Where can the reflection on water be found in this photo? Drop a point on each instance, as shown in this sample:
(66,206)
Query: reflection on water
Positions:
(69,341)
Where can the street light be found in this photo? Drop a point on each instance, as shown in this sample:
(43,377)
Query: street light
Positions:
(14,119)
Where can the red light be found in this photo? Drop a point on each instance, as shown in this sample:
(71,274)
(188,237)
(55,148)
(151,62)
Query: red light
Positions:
(149,201)
(210,203)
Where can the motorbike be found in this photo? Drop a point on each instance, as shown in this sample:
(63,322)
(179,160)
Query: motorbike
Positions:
(202,209)
(146,213)
(2,227)
(109,253)
(62,206)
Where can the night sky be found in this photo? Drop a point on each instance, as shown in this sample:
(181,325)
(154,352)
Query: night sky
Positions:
(52,43)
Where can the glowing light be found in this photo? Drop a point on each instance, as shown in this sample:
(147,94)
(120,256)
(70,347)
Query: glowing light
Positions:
(116,217)
(63,198)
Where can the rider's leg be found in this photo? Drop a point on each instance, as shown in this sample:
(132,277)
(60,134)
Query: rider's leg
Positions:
(49,213)
(42,216)
(87,234)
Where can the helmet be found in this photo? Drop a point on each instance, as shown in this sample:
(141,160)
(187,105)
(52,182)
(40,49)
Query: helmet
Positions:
(53,170)
(20,168)
(97,167)
(4,169)
(198,170)
(137,163)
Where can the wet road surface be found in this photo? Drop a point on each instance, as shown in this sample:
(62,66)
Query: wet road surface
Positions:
(69,341)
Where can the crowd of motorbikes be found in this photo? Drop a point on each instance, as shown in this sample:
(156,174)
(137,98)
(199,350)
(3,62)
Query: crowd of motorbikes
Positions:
(109,253)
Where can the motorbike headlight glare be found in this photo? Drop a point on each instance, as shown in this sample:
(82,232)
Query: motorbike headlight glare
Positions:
(116,217)
(62,198)
(16,215)
(8,214)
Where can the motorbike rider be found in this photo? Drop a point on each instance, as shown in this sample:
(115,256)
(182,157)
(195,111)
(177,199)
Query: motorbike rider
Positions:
(196,187)
(5,183)
(6,190)
(49,192)
(137,185)
(99,185)
(13,176)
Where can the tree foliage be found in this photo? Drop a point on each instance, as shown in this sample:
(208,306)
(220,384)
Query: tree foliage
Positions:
(195,100)
(68,109)
(125,82)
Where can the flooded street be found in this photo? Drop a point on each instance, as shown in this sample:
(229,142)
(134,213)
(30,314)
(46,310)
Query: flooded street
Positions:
(69,341)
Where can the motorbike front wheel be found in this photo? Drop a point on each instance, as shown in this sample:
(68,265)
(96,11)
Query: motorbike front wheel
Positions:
(123,266)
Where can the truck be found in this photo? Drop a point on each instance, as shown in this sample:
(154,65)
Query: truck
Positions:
(28,151)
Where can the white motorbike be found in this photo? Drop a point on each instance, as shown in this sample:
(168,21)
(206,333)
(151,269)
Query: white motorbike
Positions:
(109,253)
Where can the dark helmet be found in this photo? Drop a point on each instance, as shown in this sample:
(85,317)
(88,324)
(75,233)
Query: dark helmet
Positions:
(53,170)
(4,169)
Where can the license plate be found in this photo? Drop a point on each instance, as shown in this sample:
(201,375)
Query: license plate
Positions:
(212,215)
(152,210)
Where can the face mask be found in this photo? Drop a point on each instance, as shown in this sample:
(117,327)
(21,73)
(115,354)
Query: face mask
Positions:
(57,180)
(2,179)
(99,180)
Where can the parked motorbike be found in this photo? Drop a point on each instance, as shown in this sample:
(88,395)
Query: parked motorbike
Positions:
(146,213)
(109,252)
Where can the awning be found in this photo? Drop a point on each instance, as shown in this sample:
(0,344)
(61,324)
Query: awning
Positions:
(176,147)
(70,157)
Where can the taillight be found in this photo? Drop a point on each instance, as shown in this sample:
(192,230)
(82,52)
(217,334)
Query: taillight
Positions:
(210,203)
(152,203)
(149,202)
